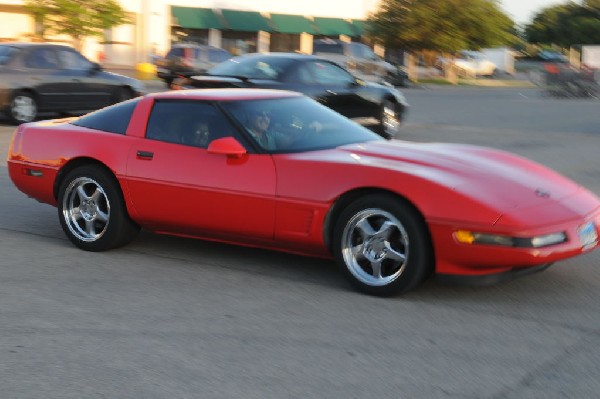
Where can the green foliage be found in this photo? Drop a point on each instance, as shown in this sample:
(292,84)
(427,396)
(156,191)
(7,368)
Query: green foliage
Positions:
(566,24)
(446,26)
(77,18)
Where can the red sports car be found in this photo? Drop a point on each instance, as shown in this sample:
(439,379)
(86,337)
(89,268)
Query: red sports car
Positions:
(276,169)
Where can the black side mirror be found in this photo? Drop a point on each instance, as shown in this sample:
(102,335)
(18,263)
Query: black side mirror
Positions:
(95,68)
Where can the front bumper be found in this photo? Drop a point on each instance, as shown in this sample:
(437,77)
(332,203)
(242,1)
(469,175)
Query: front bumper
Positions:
(489,279)
(458,259)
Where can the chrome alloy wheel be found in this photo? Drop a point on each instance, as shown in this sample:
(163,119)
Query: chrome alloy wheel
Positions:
(23,108)
(86,209)
(375,247)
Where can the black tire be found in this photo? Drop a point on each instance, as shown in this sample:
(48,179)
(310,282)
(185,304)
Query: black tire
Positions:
(92,210)
(23,108)
(382,245)
(389,120)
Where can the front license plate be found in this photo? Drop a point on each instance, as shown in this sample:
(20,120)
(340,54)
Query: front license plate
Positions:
(588,235)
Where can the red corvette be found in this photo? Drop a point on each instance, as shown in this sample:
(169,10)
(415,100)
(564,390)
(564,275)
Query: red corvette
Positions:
(275,169)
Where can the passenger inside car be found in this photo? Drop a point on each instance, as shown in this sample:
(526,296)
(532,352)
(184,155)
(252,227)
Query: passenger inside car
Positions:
(196,135)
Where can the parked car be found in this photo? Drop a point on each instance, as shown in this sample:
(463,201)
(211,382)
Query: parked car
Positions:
(361,61)
(189,59)
(470,64)
(390,213)
(551,56)
(36,77)
(323,80)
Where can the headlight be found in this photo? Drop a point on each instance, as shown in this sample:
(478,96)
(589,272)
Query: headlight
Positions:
(471,237)
(548,239)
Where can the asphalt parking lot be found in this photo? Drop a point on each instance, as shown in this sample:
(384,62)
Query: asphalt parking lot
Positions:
(175,318)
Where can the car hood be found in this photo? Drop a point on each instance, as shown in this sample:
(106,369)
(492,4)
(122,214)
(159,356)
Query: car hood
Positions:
(498,179)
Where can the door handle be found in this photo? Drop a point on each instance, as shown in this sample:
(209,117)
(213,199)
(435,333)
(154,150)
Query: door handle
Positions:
(332,92)
(145,155)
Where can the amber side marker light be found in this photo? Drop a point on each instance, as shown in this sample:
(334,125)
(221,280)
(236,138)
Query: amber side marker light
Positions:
(470,237)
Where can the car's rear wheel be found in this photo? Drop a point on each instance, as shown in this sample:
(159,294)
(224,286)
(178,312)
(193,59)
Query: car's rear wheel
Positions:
(23,108)
(382,245)
(92,210)
(389,120)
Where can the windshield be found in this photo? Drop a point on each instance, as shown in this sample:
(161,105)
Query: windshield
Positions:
(5,54)
(296,124)
(252,67)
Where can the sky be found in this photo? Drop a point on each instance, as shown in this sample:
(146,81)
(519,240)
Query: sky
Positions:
(523,11)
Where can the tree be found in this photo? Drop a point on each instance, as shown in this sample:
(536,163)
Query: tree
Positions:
(76,18)
(444,26)
(566,24)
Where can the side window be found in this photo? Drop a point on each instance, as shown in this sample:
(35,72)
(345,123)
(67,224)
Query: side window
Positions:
(73,60)
(191,123)
(42,58)
(6,54)
(215,55)
(175,52)
(360,50)
(300,74)
(328,73)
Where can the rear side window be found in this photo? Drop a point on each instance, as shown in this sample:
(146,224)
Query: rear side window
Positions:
(6,53)
(42,58)
(113,119)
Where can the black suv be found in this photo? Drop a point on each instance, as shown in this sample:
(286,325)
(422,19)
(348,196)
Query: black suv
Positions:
(184,60)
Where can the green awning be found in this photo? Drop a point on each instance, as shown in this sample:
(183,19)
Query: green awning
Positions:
(246,21)
(359,27)
(195,18)
(334,27)
(284,23)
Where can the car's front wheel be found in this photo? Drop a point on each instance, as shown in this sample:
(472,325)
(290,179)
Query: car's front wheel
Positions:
(382,245)
(92,210)
(23,108)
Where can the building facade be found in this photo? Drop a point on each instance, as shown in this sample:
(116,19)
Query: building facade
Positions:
(240,26)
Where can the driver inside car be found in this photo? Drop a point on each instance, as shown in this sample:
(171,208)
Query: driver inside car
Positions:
(276,137)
